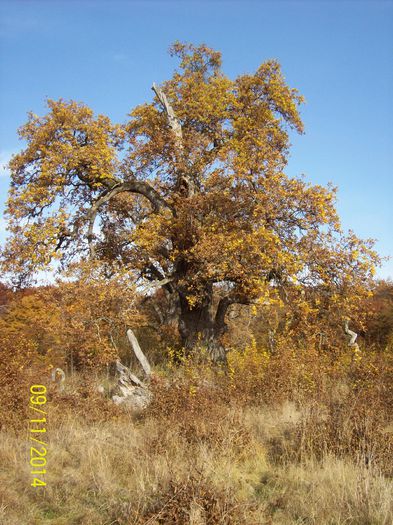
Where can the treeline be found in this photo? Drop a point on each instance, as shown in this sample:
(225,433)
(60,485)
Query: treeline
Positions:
(80,322)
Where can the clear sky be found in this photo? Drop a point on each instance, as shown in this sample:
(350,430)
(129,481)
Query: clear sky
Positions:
(108,53)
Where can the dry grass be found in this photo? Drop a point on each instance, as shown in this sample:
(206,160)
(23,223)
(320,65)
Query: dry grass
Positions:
(273,441)
(204,460)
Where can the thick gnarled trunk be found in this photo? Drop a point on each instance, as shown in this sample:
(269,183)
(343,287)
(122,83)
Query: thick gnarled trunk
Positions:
(200,329)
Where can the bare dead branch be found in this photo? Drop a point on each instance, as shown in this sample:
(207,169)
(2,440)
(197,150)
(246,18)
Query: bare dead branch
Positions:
(173,121)
(184,180)
(138,352)
(352,335)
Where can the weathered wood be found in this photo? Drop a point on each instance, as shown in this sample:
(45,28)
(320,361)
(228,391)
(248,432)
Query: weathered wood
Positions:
(132,392)
(185,181)
(173,121)
(138,352)
(126,373)
(352,335)
(58,376)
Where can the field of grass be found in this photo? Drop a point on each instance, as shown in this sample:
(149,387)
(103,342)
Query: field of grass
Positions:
(209,453)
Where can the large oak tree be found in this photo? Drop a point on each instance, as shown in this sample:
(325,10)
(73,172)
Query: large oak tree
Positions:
(189,193)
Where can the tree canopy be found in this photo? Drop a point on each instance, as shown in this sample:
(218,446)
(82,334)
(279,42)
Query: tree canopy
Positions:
(190,192)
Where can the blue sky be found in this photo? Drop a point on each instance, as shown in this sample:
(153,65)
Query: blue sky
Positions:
(107,54)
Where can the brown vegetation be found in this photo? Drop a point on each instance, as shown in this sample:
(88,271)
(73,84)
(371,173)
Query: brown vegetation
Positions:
(289,438)
(238,282)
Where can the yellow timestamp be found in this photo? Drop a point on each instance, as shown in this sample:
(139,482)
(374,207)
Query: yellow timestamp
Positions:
(37,431)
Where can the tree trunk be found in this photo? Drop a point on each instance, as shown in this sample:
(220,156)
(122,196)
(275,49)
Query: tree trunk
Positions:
(201,330)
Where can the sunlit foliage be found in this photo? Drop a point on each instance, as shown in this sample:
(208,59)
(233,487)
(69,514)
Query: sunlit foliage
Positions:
(207,210)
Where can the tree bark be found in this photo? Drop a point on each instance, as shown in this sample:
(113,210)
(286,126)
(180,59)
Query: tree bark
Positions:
(201,330)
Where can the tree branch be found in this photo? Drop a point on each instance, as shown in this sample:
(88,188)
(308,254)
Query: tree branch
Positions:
(133,186)
(352,335)
(173,121)
(138,352)
(184,180)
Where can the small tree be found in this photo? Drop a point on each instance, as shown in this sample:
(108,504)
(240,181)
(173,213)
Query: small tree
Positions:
(189,193)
